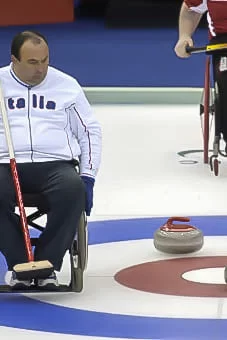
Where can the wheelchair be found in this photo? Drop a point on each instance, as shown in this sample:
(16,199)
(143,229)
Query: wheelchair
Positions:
(208,109)
(78,251)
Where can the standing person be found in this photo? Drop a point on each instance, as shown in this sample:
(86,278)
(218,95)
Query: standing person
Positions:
(52,125)
(190,15)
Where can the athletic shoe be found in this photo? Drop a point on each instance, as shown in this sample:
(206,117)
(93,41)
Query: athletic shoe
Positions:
(49,283)
(19,284)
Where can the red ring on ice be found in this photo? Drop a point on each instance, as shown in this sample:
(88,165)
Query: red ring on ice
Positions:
(165,277)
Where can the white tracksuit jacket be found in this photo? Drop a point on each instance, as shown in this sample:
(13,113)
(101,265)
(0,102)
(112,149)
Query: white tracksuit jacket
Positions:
(50,121)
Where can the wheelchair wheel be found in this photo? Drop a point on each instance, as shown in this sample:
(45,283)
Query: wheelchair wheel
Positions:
(82,242)
(225,274)
(78,255)
(216,166)
(78,280)
(76,283)
(206,111)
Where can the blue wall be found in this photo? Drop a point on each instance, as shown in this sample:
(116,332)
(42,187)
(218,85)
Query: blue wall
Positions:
(98,56)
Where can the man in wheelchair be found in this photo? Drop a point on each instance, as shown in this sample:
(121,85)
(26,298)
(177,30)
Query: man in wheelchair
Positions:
(190,16)
(52,125)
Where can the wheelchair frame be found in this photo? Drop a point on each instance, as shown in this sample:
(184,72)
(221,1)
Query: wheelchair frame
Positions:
(78,251)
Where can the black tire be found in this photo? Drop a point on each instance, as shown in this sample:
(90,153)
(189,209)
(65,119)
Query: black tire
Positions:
(77,280)
(225,274)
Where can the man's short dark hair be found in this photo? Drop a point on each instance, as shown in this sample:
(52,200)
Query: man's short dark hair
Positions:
(20,39)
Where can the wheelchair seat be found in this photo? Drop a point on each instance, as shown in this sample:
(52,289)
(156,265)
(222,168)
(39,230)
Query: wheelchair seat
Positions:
(78,251)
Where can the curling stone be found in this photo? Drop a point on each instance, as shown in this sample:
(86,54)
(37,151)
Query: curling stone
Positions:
(178,238)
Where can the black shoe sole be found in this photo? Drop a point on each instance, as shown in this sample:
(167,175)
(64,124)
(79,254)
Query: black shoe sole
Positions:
(20,286)
(49,286)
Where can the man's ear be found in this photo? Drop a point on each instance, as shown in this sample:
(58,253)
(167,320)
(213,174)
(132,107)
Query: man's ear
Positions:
(14,59)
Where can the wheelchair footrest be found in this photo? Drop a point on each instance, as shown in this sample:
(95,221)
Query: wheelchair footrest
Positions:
(34,289)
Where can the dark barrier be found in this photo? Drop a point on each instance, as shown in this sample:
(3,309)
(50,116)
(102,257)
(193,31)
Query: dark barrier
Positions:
(25,12)
(142,13)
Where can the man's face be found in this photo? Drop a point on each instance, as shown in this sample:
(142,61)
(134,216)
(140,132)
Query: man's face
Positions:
(33,64)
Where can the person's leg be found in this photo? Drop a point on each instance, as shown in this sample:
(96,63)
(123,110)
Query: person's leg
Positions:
(65,194)
(12,243)
(220,70)
(11,236)
(220,75)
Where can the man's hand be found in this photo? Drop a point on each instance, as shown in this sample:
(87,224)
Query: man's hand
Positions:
(89,184)
(180,48)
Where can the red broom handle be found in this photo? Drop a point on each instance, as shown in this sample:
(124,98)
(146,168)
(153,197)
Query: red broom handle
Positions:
(23,217)
(13,166)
